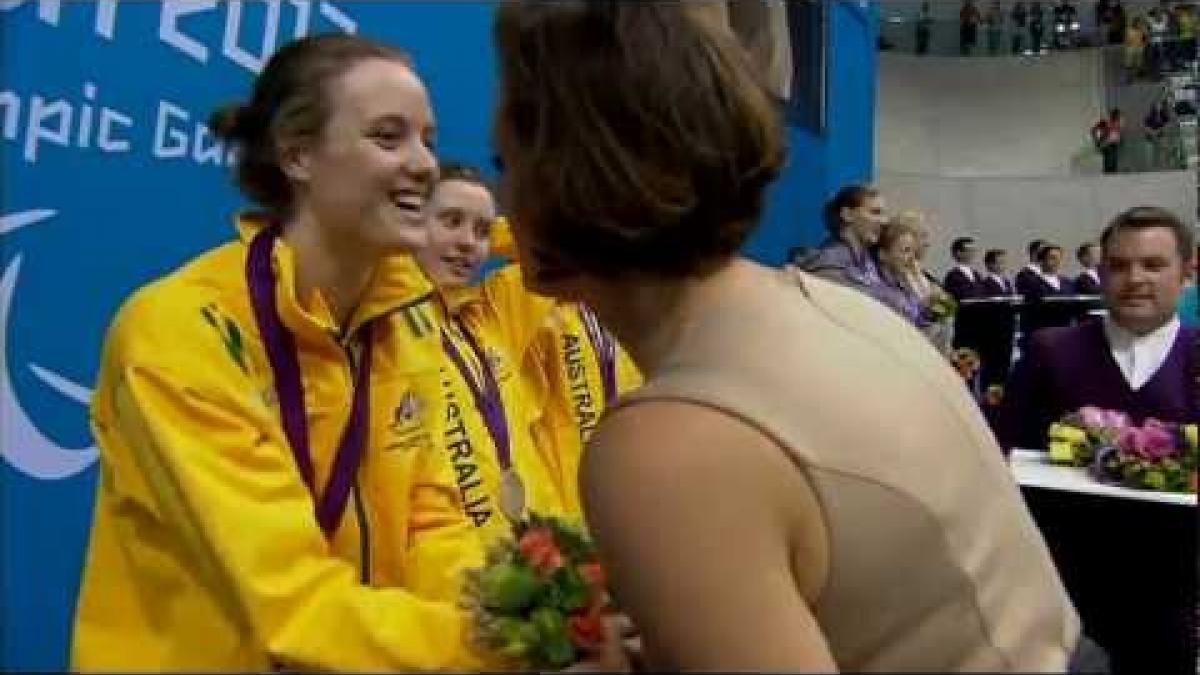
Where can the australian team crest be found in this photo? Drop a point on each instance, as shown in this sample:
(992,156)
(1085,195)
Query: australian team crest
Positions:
(408,412)
(408,430)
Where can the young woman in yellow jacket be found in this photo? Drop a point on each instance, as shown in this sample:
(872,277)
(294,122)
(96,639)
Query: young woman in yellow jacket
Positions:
(527,376)
(573,369)
(271,493)
(501,474)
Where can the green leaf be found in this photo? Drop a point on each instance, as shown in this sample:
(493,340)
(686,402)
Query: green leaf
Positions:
(574,588)
(508,587)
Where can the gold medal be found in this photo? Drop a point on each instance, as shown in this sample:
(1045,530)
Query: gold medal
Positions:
(512,495)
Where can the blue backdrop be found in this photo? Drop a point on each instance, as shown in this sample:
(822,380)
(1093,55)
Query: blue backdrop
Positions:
(108,178)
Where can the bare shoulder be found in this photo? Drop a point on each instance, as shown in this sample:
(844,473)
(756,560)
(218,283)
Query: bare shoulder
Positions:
(682,498)
(658,440)
(662,462)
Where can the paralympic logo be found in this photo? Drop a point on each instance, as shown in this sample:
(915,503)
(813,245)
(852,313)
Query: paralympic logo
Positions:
(22,443)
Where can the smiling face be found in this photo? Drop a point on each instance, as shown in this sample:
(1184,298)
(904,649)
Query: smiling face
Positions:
(366,176)
(900,254)
(1143,276)
(459,221)
(867,219)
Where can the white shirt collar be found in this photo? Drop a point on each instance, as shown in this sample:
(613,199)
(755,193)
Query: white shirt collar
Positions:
(1140,356)
(1091,272)
(1051,279)
(966,269)
(998,278)
(1034,267)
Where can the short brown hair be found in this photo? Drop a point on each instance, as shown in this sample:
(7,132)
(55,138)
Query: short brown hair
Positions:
(849,197)
(1145,217)
(290,100)
(648,140)
(461,171)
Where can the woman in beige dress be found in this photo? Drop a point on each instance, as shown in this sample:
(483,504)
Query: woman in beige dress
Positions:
(803,483)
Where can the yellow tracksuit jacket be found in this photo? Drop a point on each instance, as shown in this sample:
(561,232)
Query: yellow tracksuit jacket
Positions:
(205,553)
(550,382)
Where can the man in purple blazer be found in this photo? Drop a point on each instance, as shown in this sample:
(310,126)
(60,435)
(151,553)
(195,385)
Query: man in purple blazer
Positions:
(996,283)
(1028,275)
(1088,281)
(962,281)
(1139,359)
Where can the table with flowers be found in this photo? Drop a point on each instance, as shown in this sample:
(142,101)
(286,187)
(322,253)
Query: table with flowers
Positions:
(1126,553)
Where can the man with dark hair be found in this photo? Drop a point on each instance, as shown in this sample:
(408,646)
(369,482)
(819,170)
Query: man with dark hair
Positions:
(1088,281)
(996,283)
(1138,360)
(962,281)
(1027,279)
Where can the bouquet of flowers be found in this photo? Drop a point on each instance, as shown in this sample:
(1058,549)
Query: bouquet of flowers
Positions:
(1154,456)
(540,600)
(941,306)
(966,362)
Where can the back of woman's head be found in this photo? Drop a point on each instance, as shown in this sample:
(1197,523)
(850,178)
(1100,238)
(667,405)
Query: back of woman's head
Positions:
(290,102)
(637,136)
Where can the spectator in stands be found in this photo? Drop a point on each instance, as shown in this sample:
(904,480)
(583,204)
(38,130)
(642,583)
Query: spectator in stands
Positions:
(996,283)
(962,281)
(1066,21)
(1155,124)
(1136,36)
(1037,26)
(1116,24)
(993,20)
(1106,136)
(1088,281)
(1027,277)
(1020,23)
(1139,360)
(1186,23)
(924,25)
(1104,17)
(968,27)
(1159,24)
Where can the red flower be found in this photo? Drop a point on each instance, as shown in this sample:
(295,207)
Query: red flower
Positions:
(587,629)
(538,547)
(593,574)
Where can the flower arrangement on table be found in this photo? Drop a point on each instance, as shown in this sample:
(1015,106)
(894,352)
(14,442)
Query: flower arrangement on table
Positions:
(540,600)
(1154,456)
